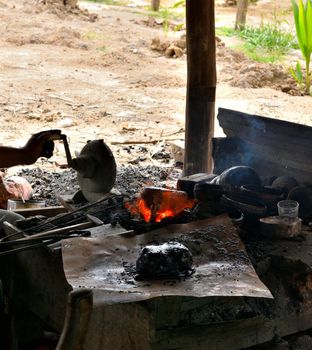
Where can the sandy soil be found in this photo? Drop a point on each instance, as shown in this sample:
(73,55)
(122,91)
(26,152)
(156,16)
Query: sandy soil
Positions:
(93,74)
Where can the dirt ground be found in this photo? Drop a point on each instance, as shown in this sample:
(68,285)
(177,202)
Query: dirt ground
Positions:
(93,74)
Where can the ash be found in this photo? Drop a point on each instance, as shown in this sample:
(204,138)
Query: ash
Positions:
(49,185)
(130,181)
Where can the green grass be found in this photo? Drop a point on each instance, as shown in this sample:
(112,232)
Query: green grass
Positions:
(265,43)
(226,31)
(261,55)
(269,37)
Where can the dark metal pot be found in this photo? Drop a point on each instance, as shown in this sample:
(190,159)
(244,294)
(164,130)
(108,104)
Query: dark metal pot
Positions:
(268,195)
(252,208)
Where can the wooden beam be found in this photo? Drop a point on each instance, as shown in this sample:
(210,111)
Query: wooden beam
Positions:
(46,211)
(201,85)
(232,335)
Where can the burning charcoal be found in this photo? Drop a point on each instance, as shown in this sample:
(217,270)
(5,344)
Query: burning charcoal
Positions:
(168,260)
(155,204)
(161,203)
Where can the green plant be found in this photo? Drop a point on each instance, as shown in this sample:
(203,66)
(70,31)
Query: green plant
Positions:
(297,74)
(303,21)
(269,37)
(166,15)
(267,42)
(177,4)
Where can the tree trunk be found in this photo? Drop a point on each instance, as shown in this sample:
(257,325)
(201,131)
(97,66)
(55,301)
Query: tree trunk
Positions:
(201,85)
(241,14)
(155,5)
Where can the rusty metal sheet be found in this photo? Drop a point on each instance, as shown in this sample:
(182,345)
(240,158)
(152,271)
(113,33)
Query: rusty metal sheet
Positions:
(222,266)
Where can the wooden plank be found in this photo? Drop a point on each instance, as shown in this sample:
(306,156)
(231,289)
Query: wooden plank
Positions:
(231,335)
(201,85)
(46,211)
(119,326)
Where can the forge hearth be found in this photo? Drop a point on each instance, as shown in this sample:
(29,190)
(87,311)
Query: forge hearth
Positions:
(165,315)
(226,303)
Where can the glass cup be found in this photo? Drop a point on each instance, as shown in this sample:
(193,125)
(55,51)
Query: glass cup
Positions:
(288,208)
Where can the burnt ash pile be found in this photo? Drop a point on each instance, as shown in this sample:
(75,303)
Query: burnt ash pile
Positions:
(48,185)
(130,181)
(167,260)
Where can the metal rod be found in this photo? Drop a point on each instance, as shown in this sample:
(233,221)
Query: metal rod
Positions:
(67,150)
(50,221)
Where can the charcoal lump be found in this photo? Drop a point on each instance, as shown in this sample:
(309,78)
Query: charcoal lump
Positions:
(167,260)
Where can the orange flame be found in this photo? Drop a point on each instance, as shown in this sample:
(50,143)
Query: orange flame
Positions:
(165,214)
(171,204)
(144,211)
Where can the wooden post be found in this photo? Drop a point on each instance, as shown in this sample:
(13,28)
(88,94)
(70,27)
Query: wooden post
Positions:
(201,85)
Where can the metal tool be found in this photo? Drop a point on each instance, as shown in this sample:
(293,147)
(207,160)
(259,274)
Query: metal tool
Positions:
(92,221)
(95,166)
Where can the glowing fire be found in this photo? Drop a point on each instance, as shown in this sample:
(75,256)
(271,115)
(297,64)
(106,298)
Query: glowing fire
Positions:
(164,203)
